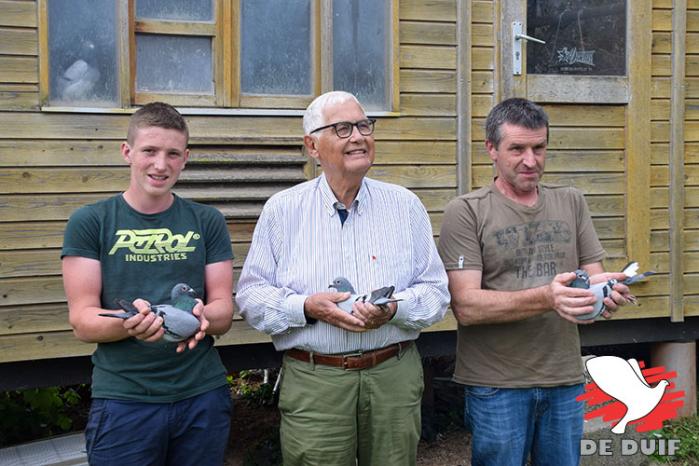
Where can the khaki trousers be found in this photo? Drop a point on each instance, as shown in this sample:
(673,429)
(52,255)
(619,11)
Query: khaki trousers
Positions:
(335,417)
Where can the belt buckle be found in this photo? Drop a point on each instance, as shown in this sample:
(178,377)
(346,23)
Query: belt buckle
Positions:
(345,358)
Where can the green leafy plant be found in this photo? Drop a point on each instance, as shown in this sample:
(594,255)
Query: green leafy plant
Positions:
(686,430)
(36,413)
(251,385)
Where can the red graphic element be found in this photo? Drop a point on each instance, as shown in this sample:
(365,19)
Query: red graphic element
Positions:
(373,258)
(612,412)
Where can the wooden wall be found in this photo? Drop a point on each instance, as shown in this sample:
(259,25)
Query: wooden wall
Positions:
(52,163)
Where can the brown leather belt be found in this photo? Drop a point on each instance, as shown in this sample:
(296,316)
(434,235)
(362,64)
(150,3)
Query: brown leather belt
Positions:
(352,361)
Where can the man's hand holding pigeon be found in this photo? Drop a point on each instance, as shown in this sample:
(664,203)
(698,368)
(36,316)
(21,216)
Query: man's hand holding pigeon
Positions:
(145,325)
(373,316)
(621,294)
(192,341)
(571,302)
(323,306)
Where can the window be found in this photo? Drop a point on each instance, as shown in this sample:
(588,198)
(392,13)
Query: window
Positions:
(583,37)
(217,53)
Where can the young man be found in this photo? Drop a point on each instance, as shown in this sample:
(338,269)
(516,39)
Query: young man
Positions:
(352,381)
(510,250)
(154,402)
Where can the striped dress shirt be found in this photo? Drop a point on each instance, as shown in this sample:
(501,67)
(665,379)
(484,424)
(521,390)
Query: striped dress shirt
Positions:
(300,246)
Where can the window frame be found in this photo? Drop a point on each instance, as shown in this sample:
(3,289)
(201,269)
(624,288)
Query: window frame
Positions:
(225,34)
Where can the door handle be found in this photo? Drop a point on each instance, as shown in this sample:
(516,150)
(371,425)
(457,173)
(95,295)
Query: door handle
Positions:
(518,36)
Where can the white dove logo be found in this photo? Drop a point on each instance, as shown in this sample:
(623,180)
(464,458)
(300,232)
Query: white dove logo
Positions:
(623,380)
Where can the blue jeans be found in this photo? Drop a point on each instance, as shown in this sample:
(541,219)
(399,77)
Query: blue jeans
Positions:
(509,424)
(193,431)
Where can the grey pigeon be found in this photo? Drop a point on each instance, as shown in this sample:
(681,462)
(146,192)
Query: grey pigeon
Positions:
(379,297)
(604,289)
(178,321)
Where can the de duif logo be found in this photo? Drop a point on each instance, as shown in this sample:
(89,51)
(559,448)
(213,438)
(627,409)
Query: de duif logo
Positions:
(624,393)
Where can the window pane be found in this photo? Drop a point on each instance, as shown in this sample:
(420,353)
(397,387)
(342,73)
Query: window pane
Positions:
(276,47)
(174,64)
(361,44)
(83,68)
(583,37)
(177,10)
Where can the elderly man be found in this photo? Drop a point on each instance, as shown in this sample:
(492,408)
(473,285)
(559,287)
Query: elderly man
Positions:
(352,380)
(504,247)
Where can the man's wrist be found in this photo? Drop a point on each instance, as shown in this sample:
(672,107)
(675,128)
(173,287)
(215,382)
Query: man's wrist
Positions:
(309,320)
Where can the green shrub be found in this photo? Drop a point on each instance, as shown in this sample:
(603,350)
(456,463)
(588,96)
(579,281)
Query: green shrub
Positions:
(250,385)
(36,413)
(687,431)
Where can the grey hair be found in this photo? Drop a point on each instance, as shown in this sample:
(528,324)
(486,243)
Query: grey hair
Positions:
(515,111)
(313,116)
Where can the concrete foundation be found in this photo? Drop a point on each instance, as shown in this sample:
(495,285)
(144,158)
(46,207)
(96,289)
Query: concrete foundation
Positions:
(681,358)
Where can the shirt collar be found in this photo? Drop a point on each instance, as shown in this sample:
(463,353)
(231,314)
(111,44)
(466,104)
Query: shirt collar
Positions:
(331,203)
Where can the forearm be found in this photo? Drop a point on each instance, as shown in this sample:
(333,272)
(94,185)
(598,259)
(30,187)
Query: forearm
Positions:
(477,306)
(219,313)
(269,309)
(90,327)
(82,281)
(422,305)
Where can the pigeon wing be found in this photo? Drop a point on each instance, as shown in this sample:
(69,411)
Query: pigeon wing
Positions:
(385,292)
(601,291)
(178,324)
(638,278)
(125,305)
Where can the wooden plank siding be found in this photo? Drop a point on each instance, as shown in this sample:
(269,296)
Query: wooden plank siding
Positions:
(51,163)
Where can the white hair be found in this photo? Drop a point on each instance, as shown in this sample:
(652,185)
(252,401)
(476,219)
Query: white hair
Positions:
(313,117)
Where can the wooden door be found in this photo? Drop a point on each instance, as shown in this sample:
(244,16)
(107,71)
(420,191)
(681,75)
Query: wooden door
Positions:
(593,76)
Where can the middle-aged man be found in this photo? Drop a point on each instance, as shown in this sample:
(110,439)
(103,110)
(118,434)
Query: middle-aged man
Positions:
(352,381)
(510,250)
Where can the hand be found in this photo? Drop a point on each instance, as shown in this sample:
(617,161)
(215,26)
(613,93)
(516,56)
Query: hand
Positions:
(570,302)
(620,296)
(145,325)
(323,306)
(194,340)
(373,316)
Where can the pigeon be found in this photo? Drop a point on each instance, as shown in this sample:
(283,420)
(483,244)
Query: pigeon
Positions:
(624,381)
(604,289)
(78,81)
(178,321)
(380,297)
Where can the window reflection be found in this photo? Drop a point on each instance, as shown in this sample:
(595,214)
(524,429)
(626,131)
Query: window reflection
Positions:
(83,67)
(583,37)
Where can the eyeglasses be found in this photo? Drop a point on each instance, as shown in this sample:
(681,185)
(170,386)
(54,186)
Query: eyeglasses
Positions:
(344,129)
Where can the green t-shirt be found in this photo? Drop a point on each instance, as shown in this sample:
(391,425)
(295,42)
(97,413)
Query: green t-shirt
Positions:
(144,256)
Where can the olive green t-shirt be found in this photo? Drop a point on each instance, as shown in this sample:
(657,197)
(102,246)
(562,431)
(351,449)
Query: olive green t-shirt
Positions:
(518,247)
(144,256)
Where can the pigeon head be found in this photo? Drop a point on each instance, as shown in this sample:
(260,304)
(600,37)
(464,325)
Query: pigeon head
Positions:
(582,280)
(182,289)
(342,285)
